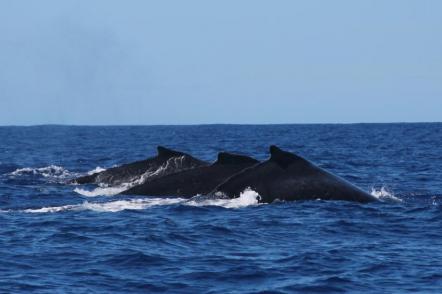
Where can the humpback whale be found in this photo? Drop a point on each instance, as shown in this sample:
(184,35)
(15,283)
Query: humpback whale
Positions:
(199,180)
(289,177)
(167,161)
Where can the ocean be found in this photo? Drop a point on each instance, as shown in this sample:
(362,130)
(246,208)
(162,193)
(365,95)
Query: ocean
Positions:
(62,238)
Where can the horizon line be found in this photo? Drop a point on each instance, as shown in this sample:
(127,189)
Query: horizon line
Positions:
(215,124)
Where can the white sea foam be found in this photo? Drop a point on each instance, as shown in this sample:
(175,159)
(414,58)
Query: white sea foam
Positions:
(247,198)
(111,206)
(51,171)
(101,191)
(52,209)
(383,194)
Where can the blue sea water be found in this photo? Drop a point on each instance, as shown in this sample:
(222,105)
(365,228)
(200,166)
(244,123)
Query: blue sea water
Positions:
(61,238)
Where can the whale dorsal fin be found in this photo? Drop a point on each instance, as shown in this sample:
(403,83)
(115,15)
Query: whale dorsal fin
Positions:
(166,152)
(229,158)
(284,158)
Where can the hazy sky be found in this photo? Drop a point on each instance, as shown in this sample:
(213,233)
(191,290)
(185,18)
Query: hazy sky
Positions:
(186,62)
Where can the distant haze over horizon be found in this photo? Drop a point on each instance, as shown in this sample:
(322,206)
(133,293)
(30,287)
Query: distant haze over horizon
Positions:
(224,62)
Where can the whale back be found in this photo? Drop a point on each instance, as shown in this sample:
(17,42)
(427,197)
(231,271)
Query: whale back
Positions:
(166,161)
(287,176)
(225,158)
(199,180)
(163,152)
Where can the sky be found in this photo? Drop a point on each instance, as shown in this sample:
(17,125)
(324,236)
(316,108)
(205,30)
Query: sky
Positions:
(202,62)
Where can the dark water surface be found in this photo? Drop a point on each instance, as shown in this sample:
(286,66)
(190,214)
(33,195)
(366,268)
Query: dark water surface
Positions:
(55,239)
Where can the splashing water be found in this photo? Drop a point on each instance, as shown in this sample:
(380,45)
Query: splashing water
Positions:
(384,195)
(246,198)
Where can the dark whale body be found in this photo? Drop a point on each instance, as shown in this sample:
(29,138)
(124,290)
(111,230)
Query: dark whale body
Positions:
(288,177)
(200,180)
(167,161)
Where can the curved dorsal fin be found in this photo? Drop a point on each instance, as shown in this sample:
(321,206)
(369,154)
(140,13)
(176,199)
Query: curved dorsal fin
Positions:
(229,158)
(163,151)
(284,158)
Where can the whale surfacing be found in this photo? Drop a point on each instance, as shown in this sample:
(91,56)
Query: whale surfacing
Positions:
(284,176)
(167,161)
(289,177)
(191,182)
